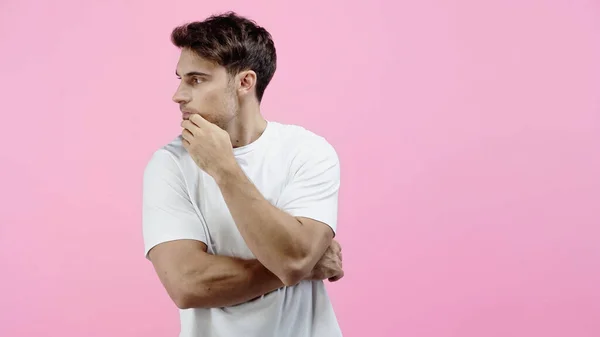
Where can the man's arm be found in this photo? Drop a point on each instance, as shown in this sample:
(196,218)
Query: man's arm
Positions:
(288,245)
(174,240)
(196,279)
(287,241)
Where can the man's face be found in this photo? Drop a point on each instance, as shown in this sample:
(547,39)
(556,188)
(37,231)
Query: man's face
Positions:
(205,89)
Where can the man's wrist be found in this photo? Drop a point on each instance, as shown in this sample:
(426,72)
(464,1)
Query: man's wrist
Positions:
(227,173)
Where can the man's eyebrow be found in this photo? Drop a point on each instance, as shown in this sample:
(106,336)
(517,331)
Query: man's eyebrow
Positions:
(193,73)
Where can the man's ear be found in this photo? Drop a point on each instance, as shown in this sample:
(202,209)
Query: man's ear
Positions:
(246,82)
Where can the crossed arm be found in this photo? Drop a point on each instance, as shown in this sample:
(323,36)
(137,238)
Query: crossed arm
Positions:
(196,279)
(287,247)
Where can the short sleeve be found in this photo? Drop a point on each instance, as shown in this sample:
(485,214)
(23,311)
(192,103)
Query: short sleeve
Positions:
(313,189)
(167,210)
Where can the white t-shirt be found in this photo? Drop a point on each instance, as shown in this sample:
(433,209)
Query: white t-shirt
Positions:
(294,169)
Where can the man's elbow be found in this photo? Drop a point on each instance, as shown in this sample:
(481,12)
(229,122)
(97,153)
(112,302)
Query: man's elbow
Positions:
(306,253)
(302,257)
(294,271)
(292,277)
(185,299)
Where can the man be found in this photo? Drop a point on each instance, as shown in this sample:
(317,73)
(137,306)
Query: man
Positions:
(239,213)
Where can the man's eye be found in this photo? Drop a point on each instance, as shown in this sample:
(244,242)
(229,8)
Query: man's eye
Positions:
(196,80)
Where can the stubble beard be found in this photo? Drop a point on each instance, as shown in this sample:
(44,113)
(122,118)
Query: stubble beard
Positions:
(231,111)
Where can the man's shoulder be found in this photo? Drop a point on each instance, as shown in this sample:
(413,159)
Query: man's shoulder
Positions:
(306,153)
(304,142)
(174,148)
(171,156)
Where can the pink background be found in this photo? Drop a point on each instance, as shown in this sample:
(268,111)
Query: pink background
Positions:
(469,133)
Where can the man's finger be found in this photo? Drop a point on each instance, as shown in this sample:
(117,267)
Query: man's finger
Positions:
(187,135)
(198,120)
(191,127)
(336,245)
(336,277)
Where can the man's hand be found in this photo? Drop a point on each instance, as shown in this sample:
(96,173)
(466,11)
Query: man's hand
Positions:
(209,145)
(330,265)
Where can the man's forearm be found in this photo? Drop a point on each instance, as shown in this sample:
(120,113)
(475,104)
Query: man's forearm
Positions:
(272,235)
(227,281)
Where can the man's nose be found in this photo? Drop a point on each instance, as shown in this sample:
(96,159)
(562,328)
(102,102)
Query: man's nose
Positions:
(180,96)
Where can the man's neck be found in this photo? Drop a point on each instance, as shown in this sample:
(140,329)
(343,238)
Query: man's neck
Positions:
(247,126)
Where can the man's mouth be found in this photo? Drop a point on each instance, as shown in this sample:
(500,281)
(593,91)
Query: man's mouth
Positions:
(186,115)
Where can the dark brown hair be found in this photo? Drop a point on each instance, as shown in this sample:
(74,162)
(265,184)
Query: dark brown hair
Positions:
(233,42)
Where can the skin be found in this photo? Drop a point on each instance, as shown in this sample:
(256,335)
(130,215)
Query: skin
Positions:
(220,112)
(230,103)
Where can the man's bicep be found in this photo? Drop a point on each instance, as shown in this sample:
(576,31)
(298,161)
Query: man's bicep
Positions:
(175,252)
(312,193)
(172,258)
(173,261)
(312,198)
(167,212)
